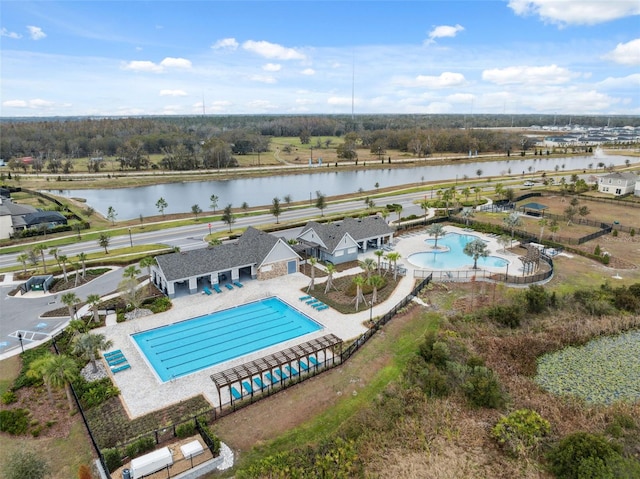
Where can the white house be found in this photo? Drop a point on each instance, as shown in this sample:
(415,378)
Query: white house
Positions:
(617,183)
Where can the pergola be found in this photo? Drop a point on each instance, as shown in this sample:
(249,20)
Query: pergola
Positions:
(536,208)
(268,364)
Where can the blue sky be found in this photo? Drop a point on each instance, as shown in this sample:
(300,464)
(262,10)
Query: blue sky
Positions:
(319,57)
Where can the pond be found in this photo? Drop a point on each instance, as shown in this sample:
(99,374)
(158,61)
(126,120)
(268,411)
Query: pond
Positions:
(130,203)
(604,370)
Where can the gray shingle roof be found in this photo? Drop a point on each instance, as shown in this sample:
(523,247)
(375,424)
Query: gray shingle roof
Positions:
(251,248)
(358,229)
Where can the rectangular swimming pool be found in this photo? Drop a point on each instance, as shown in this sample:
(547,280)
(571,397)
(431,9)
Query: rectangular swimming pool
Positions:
(194,344)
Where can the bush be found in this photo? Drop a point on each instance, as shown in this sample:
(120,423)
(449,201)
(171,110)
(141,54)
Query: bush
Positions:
(483,389)
(160,305)
(140,446)
(597,251)
(25,464)
(632,233)
(112,459)
(520,431)
(509,316)
(14,421)
(94,393)
(215,441)
(582,455)
(9,397)
(185,430)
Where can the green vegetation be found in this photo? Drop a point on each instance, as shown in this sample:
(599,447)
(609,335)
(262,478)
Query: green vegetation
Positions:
(521,431)
(604,370)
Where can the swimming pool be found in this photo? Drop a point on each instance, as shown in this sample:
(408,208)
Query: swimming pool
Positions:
(452,255)
(183,348)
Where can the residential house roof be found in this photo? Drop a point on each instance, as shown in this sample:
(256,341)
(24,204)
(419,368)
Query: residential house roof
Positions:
(358,229)
(251,248)
(620,175)
(42,216)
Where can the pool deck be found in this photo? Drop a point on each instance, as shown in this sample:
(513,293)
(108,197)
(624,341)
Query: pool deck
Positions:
(141,390)
(415,243)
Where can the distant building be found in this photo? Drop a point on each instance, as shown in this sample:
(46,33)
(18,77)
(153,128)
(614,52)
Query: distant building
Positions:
(14,218)
(617,183)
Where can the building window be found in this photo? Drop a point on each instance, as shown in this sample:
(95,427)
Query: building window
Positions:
(618,191)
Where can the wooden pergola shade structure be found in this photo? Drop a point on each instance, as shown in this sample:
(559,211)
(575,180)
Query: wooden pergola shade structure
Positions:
(534,208)
(276,361)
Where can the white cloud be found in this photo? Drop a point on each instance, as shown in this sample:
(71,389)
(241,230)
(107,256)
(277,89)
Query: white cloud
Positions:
(464,98)
(6,33)
(339,101)
(225,44)
(36,33)
(626,53)
(576,12)
(261,105)
(308,71)
(630,81)
(272,67)
(444,80)
(543,75)
(220,105)
(443,31)
(35,104)
(151,67)
(173,93)
(143,66)
(263,78)
(272,50)
(170,62)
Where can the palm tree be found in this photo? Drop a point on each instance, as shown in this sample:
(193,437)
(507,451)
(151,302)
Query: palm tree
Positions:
(148,262)
(312,264)
(103,241)
(368,265)
(70,300)
(394,256)
(512,221)
(39,249)
(54,252)
(467,214)
(131,272)
(542,222)
(504,241)
(62,260)
(466,192)
(82,257)
(385,214)
(376,282)
(554,227)
(60,371)
(379,253)
(331,269)
(424,204)
(359,281)
(94,300)
(23,258)
(437,230)
(476,249)
(477,190)
(213,199)
(56,371)
(89,345)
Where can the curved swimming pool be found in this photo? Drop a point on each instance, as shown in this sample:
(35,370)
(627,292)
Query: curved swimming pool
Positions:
(452,256)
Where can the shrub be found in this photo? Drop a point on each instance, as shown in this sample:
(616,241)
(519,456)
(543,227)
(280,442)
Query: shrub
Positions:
(97,393)
(632,233)
(112,459)
(140,446)
(506,315)
(25,464)
(160,305)
(614,233)
(9,397)
(520,431)
(185,430)
(215,441)
(483,389)
(14,421)
(597,251)
(582,455)
(537,299)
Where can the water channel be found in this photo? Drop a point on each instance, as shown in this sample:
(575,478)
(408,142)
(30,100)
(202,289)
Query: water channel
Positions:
(130,203)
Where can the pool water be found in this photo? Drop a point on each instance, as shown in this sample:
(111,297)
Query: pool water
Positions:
(452,254)
(183,348)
